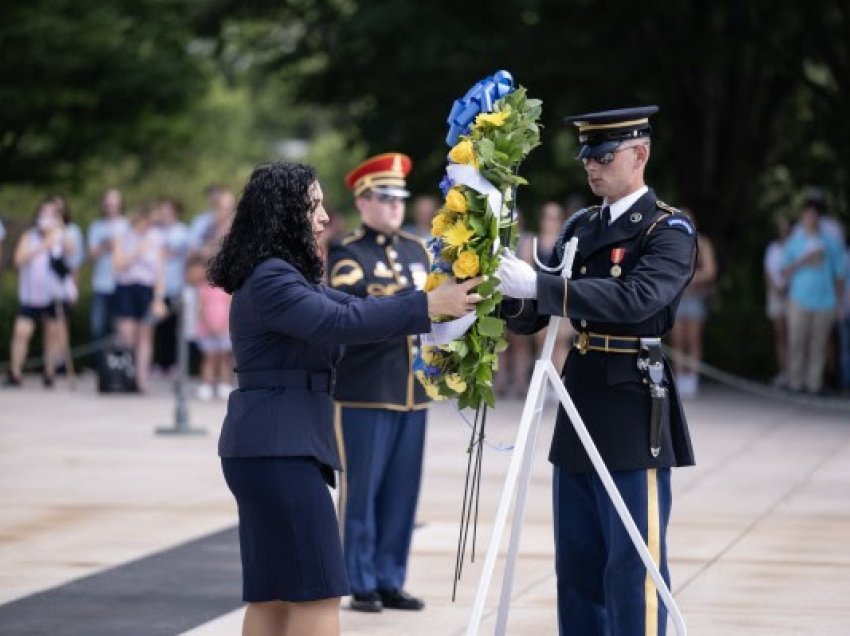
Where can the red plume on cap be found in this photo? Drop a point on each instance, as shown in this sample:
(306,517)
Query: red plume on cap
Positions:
(384,173)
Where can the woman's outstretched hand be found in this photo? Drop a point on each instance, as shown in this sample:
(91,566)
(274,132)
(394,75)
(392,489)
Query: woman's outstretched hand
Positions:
(454,299)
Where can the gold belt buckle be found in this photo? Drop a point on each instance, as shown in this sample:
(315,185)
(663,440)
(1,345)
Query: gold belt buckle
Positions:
(583,342)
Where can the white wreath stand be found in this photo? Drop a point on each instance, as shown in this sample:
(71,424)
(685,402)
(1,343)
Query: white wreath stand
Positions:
(519,474)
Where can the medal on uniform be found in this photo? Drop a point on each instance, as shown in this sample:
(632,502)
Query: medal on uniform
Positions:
(617,255)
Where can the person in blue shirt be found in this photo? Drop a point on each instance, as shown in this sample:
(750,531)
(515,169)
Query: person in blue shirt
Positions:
(102,236)
(175,236)
(813,263)
(278,446)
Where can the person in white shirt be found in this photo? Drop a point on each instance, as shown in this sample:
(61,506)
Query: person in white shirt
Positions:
(42,287)
(139,301)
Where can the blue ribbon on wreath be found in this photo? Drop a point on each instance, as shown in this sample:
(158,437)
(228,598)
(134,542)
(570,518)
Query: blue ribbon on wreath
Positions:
(478,99)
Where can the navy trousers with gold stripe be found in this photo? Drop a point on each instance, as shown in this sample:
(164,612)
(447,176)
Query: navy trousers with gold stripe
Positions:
(603,586)
(382,452)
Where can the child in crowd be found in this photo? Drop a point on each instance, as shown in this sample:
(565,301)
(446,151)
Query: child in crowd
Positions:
(211,332)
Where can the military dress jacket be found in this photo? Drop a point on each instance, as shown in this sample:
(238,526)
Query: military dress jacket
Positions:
(288,336)
(653,262)
(370,263)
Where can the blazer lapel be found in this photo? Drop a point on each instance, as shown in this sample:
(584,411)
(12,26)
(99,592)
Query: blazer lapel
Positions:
(631,223)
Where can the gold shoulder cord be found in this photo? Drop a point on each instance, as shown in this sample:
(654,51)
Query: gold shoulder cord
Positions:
(656,222)
(350,278)
(356,236)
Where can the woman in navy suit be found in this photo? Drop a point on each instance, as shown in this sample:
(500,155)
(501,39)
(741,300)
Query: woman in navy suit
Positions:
(278,449)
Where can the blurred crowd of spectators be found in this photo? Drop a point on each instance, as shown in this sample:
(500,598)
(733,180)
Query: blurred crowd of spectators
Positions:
(147,262)
(144,263)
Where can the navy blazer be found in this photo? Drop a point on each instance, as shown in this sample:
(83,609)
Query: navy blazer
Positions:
(658,244)
(288,336)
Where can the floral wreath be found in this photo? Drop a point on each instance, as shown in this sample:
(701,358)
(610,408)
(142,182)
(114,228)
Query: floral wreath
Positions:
(492,130)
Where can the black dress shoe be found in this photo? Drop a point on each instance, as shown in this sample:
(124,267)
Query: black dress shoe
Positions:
(12,380)
(370,602)
(401,600)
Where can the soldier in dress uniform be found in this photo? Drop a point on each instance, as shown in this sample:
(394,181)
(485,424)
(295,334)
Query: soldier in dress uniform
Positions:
(381,407)
(635,256)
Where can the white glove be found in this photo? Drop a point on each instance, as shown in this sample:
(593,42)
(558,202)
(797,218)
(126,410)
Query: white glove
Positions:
(517,278)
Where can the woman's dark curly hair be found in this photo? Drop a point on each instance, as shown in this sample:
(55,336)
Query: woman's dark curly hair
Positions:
(272,220)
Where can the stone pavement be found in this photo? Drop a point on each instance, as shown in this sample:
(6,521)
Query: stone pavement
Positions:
(108,528)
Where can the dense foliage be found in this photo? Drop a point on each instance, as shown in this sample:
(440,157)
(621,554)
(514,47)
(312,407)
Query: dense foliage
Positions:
(753,102)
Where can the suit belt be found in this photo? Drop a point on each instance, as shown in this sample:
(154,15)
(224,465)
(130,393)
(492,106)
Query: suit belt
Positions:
(315,381)
(589,341)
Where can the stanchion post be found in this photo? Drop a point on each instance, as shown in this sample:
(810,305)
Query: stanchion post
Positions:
(181,424)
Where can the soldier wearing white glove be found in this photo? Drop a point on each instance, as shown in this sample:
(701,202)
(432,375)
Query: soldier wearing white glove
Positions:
(518,278)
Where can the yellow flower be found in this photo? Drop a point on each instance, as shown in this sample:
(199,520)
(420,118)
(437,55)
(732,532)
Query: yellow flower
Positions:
(491,119)
(463,152)
(466,265)
(434,280)
(433,392)
(455,201)
(455,383)
(438,225)
(458,234)
(430,355)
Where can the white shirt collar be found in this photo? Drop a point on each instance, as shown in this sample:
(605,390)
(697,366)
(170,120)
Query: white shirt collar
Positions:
(619,206)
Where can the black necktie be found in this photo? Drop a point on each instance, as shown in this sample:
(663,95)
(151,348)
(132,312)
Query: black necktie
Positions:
(605,216)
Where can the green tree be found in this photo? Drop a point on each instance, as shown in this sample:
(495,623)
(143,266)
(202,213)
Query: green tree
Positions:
(83,78)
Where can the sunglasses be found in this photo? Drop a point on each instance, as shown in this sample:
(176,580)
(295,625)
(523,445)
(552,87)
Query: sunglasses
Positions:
(607,157)
(385,198)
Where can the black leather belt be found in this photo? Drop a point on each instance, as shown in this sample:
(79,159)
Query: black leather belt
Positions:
(589,341)
(315,381)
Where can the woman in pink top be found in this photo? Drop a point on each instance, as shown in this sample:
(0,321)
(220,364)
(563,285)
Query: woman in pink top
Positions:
(212,333)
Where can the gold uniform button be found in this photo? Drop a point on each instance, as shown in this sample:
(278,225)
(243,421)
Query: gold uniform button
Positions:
(583,270)
(645,381)
(381,239)
(584,323)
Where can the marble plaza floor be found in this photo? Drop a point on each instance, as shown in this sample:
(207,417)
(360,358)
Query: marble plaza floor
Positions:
(109,528)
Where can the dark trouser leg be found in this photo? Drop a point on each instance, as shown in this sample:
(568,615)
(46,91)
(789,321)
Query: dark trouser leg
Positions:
(603,586)
(395,507)
(579,555)
(632,604)
(165,339)
(366,440)
(100,321)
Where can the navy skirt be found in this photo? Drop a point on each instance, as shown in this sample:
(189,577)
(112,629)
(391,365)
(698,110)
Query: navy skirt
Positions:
(288,529)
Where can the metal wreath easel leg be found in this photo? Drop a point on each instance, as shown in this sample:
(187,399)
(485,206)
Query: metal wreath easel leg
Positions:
(519,476)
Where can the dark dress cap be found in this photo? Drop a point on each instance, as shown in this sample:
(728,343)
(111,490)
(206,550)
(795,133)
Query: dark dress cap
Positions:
(604,131)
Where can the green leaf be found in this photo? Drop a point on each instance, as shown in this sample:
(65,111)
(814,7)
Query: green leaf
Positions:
(487,288)
(460,348)
(486,307)
(491,327)
(488,397)
(477,223)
